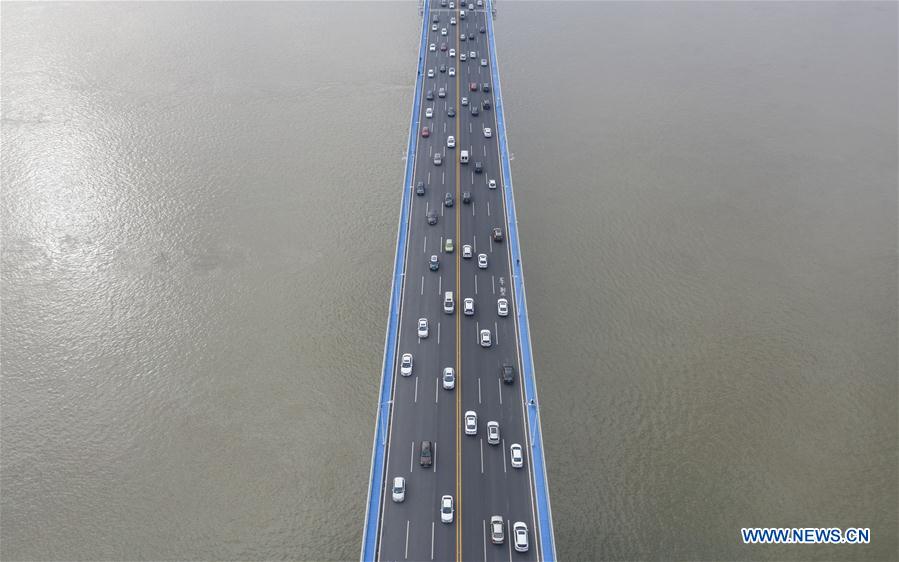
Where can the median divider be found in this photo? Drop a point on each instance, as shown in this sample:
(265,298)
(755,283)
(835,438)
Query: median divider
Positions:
(382,423)
(544,510)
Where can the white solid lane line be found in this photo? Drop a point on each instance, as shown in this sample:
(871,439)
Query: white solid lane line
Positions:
(479,390)
(435,456)
(406,555)
(422,284)
(475,283)
(509,535)
(504,449)
(474,243)
(495,331)
(499,383)
(488,208)
(493,282)
(424,246)
(436,391)
(438,333)
(416,389)
(440,279)
(411,456)
(432,540)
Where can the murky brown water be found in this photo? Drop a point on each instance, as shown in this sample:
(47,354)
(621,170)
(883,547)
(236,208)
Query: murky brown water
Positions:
(199,212)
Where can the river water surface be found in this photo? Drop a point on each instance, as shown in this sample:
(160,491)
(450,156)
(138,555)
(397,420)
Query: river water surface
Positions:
(199,214)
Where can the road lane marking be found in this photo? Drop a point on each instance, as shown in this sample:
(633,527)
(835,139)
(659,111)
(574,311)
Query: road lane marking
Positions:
(493,282)
(440,282)
(491,244)
(438,333)
(458,167)
(472,209)
(416,389)
(432,540)
(411,457)
(436,391)
(479,390)
(422,284)
(495,330)
(474,243)
(509,534)
(482,455)
(484,522)
(406,554)
(499,383)
(504,451)
(424,247)
(475,283)
(435,457)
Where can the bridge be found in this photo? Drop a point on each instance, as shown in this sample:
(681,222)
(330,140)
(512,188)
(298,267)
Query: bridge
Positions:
(458,339)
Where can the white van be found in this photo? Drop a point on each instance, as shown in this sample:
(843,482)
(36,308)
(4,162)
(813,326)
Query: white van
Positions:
(449,304)
(461,14)
(463,157)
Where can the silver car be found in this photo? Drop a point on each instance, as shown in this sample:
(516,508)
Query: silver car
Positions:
(406,365)
(502,307)
(493,433)
(468,307)
(497,530)
(482,261)
(399,489)
(422,327)
(466,251)
(520,535)
(449,378)
(485,338)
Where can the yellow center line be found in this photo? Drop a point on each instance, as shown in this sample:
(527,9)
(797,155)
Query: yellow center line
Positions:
(458,299)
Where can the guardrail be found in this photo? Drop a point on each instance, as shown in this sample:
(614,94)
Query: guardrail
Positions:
(544,510)
(376,474)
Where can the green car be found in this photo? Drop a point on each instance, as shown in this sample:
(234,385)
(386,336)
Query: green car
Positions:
(448,246)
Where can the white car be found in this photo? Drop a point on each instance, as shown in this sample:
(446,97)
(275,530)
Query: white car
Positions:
(480,3)
(482,261)
(430,73)
(502,307)
(483,62)
(464,101)
(462,57)
(432,47)
(452,6)
(451,141)
(406,365)
(452,52)
(422,327)
(452,71)
(485,338)
(471,423)
(449,378)
(491,184)
(487,133)
(443,31)
(468,307)
(434,27)
(466,251)
(399,489)
(497,529)
(472,55)
(520,534)
(493,433)
(517,455)
(429,112)
(446,512)
(452,19)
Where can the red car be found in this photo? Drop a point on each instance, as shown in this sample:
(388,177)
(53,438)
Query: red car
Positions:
(443,46)
(425,132)
(473,86)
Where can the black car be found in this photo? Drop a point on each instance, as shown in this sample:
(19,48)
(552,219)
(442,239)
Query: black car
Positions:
(442,68)
(466,197)
(485,104)
(432,217)
(474,109)
(497,234)
(478,168)
(430,95)
(451,112)
(420,188)
(508,373)
(434,263)
(437,19)
(426,458)
(448,199)
(485,87)
(483,29)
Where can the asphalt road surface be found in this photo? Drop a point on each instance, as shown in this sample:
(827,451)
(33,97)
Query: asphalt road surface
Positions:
(478,475)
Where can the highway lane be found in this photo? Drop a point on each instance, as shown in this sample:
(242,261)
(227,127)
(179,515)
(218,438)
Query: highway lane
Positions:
(481,476)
